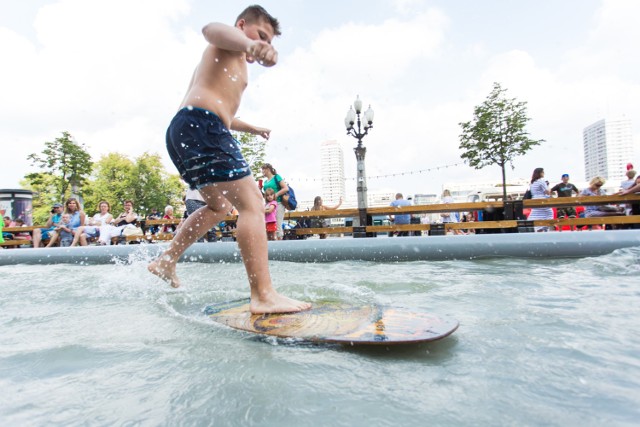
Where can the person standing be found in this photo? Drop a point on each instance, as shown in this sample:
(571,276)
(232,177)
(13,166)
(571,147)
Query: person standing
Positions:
(540,190)
(270,209)
(565,189)
(280,187)
(450,216)
(209,158)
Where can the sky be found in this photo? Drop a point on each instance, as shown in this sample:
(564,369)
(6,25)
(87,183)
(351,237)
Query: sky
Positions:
(113,75)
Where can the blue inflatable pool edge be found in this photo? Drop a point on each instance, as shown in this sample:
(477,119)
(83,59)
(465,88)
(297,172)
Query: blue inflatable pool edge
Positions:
(377,249)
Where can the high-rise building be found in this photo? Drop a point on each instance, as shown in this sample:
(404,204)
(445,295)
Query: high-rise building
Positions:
(608,147)
(332,171)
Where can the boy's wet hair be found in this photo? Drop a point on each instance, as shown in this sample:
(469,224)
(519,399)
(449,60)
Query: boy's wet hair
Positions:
(255,12)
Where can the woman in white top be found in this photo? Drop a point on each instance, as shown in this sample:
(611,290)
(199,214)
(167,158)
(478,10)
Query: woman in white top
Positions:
(540,190)
(93,229)
(115,227)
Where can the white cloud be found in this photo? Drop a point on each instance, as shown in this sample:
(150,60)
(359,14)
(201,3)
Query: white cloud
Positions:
(305,97)
(96,69)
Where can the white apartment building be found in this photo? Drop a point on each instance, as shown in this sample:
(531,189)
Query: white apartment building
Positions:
(608,147)
(332,172)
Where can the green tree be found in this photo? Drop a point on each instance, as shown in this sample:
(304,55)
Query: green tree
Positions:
(112,181)
(253,149)
(143,180)
(497,134)
(62,160)
(153,186)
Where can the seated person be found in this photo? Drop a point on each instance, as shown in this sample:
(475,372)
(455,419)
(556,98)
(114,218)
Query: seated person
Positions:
(154,215)
(19,222)
(1,225)
(62,232)
(168,214)
(193,201)
(92,231)
(594,189)
(5,222)
(115,227)
(76,220)
(40,234)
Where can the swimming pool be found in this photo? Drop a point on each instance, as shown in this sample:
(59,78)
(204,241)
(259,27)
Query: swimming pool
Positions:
(549,341)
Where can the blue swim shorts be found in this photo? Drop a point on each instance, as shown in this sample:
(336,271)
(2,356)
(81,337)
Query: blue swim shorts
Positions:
(46,232)
(203,149)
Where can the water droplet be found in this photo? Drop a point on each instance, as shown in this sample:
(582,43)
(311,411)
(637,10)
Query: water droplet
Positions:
(190,108)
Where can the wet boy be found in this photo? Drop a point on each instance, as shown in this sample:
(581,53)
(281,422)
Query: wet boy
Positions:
(209,159)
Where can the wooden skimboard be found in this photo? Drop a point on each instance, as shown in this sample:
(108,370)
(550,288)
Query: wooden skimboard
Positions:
(337,322)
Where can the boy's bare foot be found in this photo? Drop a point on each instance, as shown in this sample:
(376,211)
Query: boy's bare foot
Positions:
(165,270)
(276,303)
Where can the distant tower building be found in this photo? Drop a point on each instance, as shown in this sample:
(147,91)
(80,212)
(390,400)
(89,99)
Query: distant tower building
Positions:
(608,147)
(332,169)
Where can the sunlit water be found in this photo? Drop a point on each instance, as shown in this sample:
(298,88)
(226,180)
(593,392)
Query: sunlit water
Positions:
(543,342)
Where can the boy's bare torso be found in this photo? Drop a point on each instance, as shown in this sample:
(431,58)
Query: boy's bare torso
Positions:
(218,83)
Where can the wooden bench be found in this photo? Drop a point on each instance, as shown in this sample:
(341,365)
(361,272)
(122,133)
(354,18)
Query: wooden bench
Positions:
(16,243)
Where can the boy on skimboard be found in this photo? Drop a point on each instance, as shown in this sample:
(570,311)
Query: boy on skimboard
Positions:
(209,158)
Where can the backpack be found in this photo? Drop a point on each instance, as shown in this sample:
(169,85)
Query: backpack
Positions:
(527,195)
(289,199)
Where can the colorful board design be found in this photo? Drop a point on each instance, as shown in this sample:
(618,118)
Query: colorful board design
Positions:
(337,322)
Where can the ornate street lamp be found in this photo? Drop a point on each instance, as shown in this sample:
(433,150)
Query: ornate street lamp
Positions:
(353,118)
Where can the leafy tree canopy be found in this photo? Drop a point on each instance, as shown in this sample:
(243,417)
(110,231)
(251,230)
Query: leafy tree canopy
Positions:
(62,161)
(497,134)
(143,180)
(253,149)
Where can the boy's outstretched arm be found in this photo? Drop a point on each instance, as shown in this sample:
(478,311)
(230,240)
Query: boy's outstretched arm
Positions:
(240,126)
